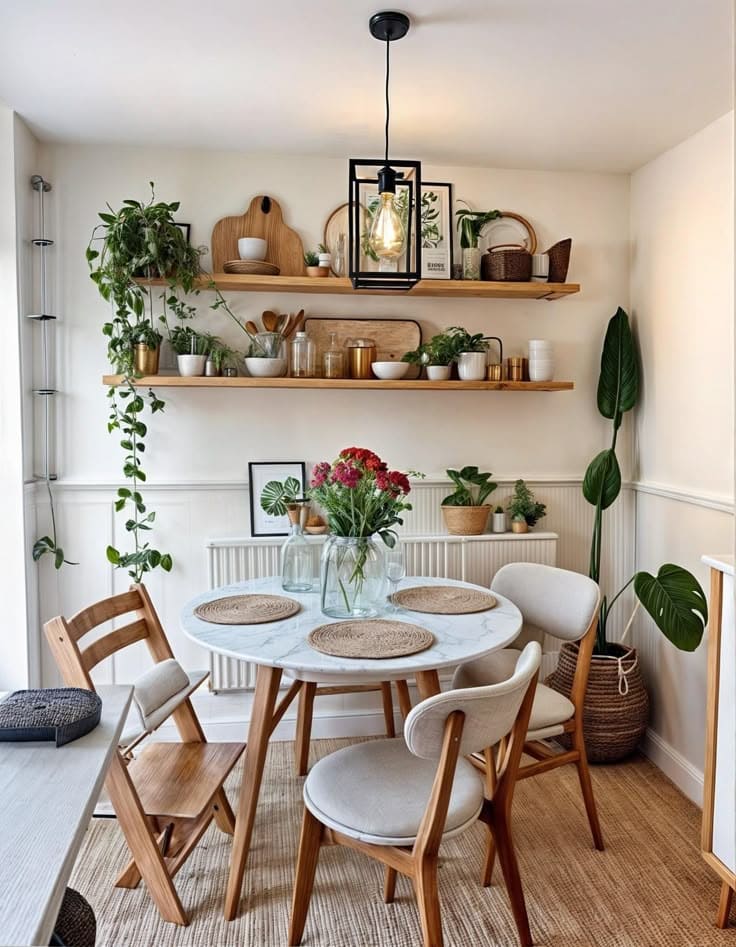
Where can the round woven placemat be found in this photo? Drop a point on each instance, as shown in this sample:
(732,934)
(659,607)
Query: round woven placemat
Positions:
(444,600)
(370,638)
(247,609)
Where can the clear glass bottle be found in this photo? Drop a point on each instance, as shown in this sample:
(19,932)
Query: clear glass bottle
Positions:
(302,356)
(296,555)
(333,360)
(338,261)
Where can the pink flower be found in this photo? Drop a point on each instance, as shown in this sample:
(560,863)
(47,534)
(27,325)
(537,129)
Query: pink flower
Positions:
(320,474)
(346,474)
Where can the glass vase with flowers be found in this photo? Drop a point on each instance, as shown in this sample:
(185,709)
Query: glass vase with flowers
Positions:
(362,500)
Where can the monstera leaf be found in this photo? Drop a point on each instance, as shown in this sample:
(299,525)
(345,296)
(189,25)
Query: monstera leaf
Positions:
(275,495)
(618,384)
(602,482)
(676,602)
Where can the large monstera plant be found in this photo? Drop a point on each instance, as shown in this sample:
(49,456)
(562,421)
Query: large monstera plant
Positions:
(673,598)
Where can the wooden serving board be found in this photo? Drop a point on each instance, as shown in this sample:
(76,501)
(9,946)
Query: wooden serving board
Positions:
(394,337)
(262,219)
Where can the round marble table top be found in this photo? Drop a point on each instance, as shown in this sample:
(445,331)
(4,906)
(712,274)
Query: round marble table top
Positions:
(458,638)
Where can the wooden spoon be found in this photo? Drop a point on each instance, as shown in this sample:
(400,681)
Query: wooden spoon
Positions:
(296,323)
(270,321)
(284,327)
(251,328)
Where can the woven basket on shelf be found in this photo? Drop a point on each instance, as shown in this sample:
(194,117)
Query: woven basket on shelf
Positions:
(613,723)
(507,262)
(466,520)
(559,261)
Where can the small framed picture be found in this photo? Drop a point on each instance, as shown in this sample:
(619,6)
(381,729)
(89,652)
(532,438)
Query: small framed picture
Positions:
(186,229)
(271,485)
(437,230)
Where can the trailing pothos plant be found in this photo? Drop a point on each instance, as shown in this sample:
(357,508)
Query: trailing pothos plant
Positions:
(673,598)
(139,240)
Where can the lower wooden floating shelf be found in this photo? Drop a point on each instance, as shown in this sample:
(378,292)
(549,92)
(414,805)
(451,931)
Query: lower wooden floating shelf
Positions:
(202,381)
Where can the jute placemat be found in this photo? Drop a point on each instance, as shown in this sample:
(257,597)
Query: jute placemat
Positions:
(247,609)
(370,638)
(444,600)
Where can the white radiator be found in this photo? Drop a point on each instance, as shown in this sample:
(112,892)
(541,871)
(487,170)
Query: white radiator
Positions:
(468,558)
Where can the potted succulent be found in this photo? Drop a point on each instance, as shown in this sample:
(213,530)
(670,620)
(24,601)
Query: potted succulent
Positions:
(314,268)
(499,520)
(324,256)
(616,703)
(471,224)
(464,511)
(523,508)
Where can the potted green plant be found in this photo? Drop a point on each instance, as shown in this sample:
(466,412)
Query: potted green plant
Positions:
(191,349)
(616,703)
(218,356)
(471,224)
(436,356)
(324,257)
(146,342)
(499,520)
(472,354)
(311,261)
(464,511)
(523,508)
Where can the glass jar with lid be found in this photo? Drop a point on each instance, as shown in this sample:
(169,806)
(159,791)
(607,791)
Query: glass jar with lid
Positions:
(333,359)
(361,354)
(302,356)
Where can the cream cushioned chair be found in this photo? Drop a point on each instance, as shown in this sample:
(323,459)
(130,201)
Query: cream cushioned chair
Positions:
(565,605)
(395,801)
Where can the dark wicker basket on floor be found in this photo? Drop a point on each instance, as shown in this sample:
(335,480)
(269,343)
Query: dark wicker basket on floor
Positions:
(76,925)
(613,723)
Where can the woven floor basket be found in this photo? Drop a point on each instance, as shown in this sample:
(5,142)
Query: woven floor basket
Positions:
(466,520)
(613,723)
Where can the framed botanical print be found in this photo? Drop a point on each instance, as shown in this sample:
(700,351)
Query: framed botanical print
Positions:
(271,485)
(437,244)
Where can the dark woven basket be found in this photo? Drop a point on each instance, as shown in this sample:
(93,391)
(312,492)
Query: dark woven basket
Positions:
(76,925)
(613,723)
(559,261)
(507,263)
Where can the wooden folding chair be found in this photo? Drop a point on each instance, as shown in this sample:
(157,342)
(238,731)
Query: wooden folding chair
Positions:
(165,796)
(395,801)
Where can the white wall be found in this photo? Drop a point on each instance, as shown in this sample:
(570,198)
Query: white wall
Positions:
(682,297)
(199,449)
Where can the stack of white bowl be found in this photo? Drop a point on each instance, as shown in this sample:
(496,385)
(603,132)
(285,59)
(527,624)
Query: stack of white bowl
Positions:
(541,360)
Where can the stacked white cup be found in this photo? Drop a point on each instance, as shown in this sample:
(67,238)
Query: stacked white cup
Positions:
(541,360)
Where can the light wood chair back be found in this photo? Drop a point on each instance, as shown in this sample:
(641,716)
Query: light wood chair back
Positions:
(167,795)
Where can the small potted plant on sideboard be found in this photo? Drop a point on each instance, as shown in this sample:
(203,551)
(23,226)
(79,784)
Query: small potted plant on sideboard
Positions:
(524,509)
(464,511)
(499,520)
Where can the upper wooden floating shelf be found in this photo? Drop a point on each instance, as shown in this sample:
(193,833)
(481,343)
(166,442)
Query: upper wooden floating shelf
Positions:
(328,285)
(202,381)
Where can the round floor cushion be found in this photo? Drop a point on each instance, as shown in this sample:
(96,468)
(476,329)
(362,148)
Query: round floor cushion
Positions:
(75,925)
(62,714)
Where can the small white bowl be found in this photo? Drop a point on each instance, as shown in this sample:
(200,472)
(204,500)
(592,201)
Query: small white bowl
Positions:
(390,371)
(252,248)
(266,367)
(541,371)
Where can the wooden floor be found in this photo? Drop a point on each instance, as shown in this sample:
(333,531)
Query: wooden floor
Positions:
(649,888)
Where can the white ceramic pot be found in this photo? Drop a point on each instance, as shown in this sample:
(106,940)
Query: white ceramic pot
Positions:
(472,366)
(499,523)
(471,263)
(541,369)
(325,259)
(438,372)
(191,365)
(252,248)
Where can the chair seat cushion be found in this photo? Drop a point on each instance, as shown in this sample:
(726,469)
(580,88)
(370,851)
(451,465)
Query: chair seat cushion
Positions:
(138,724)
(378,791)
(550,709)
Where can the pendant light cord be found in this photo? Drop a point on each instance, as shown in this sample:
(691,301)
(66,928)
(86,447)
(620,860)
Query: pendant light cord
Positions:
(388,104)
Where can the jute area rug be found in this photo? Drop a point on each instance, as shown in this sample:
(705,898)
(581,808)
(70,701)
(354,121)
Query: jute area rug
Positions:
(649,888)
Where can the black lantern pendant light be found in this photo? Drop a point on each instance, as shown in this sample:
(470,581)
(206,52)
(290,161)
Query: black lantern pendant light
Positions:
(383,233)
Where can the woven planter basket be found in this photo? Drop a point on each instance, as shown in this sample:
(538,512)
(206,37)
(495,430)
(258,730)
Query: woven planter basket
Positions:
(466,520)
(507,263)
(613,723)
(559,261)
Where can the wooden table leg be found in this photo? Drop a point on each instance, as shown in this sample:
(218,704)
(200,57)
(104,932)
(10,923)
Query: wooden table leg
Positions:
(724,905)
(264,702)
(428,683)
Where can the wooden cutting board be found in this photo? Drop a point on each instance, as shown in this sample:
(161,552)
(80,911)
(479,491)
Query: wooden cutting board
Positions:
(262,219)
(393,337)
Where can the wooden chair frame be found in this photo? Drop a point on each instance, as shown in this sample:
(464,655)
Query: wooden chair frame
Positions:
(547,759)
(420,861)
(159,844)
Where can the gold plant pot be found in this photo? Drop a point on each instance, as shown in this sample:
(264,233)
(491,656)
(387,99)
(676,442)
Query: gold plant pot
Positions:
(519,526)
(145,359)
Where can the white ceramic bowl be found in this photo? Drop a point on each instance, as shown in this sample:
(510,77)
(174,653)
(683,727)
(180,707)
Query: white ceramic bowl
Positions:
(252,248)
(266,367)
(390,371)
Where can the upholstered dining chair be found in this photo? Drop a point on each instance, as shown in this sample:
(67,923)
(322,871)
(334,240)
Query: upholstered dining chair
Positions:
(395,800)
(565,605)
(166,796)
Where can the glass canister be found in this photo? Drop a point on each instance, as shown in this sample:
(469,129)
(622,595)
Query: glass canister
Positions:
(333,360)
(296,555)
(361,354)
(302,356)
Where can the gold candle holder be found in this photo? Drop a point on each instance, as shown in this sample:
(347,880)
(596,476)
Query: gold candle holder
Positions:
(515,368)
(495,372)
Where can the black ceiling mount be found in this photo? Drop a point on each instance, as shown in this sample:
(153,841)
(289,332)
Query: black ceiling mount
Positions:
(389,25)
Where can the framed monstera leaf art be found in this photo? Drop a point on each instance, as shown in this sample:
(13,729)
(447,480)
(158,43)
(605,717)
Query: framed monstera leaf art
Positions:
(271,486)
